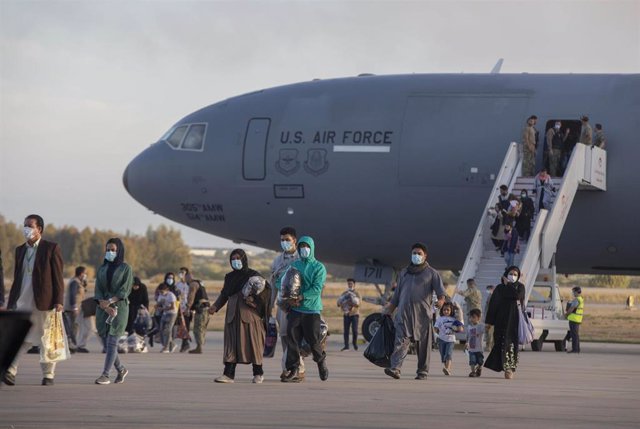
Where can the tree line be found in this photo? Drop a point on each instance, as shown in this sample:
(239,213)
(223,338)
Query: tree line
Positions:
(159,250)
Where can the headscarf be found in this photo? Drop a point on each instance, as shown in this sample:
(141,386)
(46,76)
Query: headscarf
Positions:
(512,268)
(236,279)
(113,265)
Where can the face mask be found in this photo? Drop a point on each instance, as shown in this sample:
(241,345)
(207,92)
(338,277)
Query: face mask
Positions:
(28,232)
(557,127)
(169,282)
(83,278)
(523,195)
(286,245)
(110,256)
(181,275)
(305,252)
(512,278)
(513,203)
(236,264)
(416,259)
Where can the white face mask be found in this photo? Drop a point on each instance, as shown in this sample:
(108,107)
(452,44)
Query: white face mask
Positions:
(513,203)
(512,278)
(305,252)
(170,282)
(557,127)
(110,255)
(28,232)
(286,245)
(181,275)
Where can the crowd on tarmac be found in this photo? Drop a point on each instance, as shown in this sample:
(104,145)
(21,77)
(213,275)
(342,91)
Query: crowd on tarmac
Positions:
(125,321)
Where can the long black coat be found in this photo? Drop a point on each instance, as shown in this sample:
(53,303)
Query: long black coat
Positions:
(502,313)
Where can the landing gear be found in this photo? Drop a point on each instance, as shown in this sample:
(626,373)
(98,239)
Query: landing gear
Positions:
(370,325)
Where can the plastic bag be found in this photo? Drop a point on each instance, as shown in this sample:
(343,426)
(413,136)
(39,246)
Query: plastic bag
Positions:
(254,286)
(136,344)
(55,347)
(290,289)
(379,350)
(271,340)
(526,331)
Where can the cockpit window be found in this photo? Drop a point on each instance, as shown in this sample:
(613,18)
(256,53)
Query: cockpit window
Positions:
(186,137)
(176,136)
(195,137)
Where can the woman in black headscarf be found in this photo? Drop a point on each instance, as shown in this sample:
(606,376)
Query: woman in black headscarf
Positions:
(139,296)
(245,321)
(113,285)
(502,314)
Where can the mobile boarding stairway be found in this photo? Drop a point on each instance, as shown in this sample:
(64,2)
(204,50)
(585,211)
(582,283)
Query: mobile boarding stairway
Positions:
(586,171)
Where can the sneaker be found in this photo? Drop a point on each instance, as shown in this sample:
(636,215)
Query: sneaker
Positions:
(446,371)
(195,351)
(34,350)
(165,351)
(473,374)
(355,347)
(121,375)
(257,379)
(9,379)
(393,373)
(344,348)
(223,379)
(292,376)
(103,379)
(283,375)
(478,371)
(47,381)
(421,377)
(82,350)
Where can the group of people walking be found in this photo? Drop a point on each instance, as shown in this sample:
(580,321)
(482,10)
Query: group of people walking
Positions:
(38,288)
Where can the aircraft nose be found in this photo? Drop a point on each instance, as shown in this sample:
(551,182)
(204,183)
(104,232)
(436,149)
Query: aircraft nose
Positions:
(125,179)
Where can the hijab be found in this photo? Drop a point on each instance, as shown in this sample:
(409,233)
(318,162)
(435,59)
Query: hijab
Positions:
(113,265)
(236,279)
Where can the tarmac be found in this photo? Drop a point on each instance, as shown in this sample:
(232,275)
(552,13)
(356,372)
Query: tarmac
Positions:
(599,388)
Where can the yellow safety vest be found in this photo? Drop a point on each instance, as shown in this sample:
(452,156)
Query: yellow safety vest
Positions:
(576,316)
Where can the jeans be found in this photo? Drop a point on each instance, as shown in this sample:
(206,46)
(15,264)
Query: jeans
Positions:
(351,324)
(509,257)
(574,332)
(111,359)
(166,327)
(446,350)
(476,358)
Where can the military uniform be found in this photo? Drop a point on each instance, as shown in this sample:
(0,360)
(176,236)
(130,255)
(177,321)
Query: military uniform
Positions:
(529,151)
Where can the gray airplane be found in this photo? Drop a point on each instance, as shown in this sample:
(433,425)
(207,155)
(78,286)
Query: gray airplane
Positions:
(369,165)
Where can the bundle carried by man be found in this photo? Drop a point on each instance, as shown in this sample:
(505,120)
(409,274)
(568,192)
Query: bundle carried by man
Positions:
(290,289)
(348,300)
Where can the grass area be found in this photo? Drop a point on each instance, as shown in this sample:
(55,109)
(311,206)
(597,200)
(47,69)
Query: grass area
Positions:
(616,325)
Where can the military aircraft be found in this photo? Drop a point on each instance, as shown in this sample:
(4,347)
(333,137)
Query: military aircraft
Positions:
(368,165)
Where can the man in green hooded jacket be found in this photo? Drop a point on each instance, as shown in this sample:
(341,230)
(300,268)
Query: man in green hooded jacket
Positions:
(304,319)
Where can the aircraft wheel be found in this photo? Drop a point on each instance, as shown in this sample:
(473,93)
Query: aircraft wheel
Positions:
(536,345)
(370,325)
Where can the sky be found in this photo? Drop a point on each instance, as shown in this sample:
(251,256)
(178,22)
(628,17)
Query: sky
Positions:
(87,85)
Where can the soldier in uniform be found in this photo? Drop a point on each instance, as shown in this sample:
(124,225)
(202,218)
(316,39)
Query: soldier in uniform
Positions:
(555,140)
(529,147)
(600,140)
(586,134)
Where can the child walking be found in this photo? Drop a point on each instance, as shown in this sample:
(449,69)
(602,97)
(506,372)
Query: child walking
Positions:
(475,342)
(446,328)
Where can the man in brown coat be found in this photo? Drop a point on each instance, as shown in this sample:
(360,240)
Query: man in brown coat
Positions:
(37,287)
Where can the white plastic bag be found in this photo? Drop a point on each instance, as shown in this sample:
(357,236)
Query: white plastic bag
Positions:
(55,347)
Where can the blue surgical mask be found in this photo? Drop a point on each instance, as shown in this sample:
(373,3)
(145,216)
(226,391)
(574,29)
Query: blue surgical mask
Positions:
(416,259)
(236,264)
(169,282)
(305,252)
(110,255)
(286,245)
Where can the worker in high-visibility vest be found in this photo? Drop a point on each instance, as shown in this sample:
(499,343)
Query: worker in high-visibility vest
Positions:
(574,313)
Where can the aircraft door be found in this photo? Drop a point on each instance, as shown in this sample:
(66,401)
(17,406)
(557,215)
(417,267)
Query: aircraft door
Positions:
(255,149)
